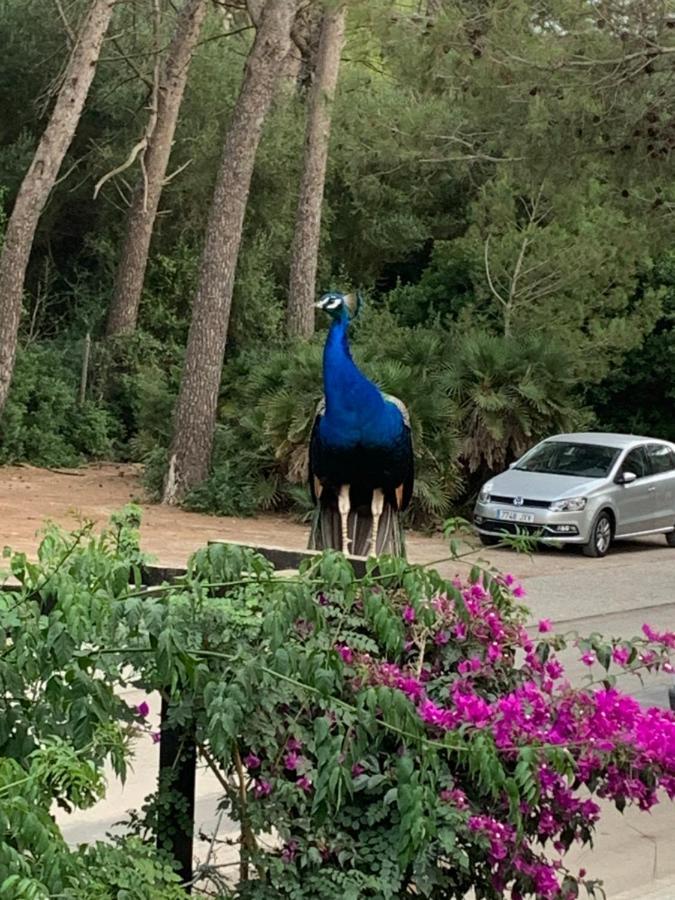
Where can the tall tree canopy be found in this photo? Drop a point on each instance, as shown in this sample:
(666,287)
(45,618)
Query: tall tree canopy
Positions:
(492,170)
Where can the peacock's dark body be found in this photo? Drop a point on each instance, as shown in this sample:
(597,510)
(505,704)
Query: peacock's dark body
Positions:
(361,468)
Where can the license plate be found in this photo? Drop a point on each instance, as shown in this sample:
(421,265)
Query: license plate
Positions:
(510,515)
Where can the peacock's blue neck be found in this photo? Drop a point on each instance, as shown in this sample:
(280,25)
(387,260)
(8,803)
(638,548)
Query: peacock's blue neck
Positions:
(355,409)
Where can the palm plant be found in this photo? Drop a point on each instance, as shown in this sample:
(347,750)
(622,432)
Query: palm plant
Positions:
(510,393)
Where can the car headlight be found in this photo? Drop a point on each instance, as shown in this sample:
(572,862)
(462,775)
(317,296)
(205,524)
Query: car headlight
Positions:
(574,504)
(485,491)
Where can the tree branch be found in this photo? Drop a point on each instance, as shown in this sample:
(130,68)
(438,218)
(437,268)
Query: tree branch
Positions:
(140,148)
(69,31)
(494,290)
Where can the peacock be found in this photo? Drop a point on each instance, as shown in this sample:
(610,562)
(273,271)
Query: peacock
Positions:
(361,467)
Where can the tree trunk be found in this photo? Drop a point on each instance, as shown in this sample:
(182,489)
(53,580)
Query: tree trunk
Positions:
(307,235)
(40,178)
(123,312)
(195,413)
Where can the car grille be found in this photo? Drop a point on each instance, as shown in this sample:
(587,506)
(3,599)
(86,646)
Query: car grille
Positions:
(537,504)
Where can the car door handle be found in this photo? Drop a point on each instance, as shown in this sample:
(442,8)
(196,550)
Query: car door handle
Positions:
(651,490)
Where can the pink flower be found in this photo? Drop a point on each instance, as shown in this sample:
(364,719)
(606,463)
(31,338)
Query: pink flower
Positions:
(252,761)
(457,797)
(290,851)
(649,632)
(588,658)
(346,653)
(441,638)
(409,615)
(494,653)
(262,788)
(156,737)
(544,625)
(667,638)
(293,744)
(143,710)
(460,631)
(304,784)
(357,769)
(291,761)
(621,655)
(473,664)
(554,669)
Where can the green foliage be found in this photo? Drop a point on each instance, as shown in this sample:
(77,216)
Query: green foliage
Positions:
(135,378)
(304,693)
(639,397)
(127,411)
(541,139)
(43,421)
(63,717)
(511,394)
(126,869)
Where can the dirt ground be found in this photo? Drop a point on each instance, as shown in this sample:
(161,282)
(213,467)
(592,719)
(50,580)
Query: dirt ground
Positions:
(30,496)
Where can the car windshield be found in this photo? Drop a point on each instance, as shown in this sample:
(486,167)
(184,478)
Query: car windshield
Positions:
(566,458)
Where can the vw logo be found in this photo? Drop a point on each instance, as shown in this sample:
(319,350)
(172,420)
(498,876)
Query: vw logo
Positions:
(518,501)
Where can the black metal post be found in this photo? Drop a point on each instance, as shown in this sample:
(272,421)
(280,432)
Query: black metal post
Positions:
(176,789)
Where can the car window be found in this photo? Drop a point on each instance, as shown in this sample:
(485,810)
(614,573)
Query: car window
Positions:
(567,458)
(636,462)
(661,458)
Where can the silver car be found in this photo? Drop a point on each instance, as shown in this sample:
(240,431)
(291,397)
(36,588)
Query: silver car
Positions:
(586,489)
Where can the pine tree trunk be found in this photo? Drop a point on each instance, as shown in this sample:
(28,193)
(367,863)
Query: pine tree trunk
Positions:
(123,312)
(195,413)
(307,235)
(40,178)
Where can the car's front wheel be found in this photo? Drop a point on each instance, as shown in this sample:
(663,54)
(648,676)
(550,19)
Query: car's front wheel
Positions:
(601,537)
(488,540)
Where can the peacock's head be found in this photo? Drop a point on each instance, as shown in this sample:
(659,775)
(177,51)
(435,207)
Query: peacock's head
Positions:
(341,306)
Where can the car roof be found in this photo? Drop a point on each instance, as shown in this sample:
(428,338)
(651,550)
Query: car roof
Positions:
(607,439)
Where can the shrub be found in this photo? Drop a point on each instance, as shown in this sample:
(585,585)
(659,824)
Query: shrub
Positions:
(510,393)
(42,422)
(399,733)
(403,734)
(135,376)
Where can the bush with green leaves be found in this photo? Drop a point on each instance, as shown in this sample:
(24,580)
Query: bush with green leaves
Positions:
(509,395)
(639,396)
(43,422)
(61,718)
(396,733)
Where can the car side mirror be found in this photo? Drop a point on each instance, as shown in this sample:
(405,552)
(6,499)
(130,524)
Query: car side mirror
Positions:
(626,478)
